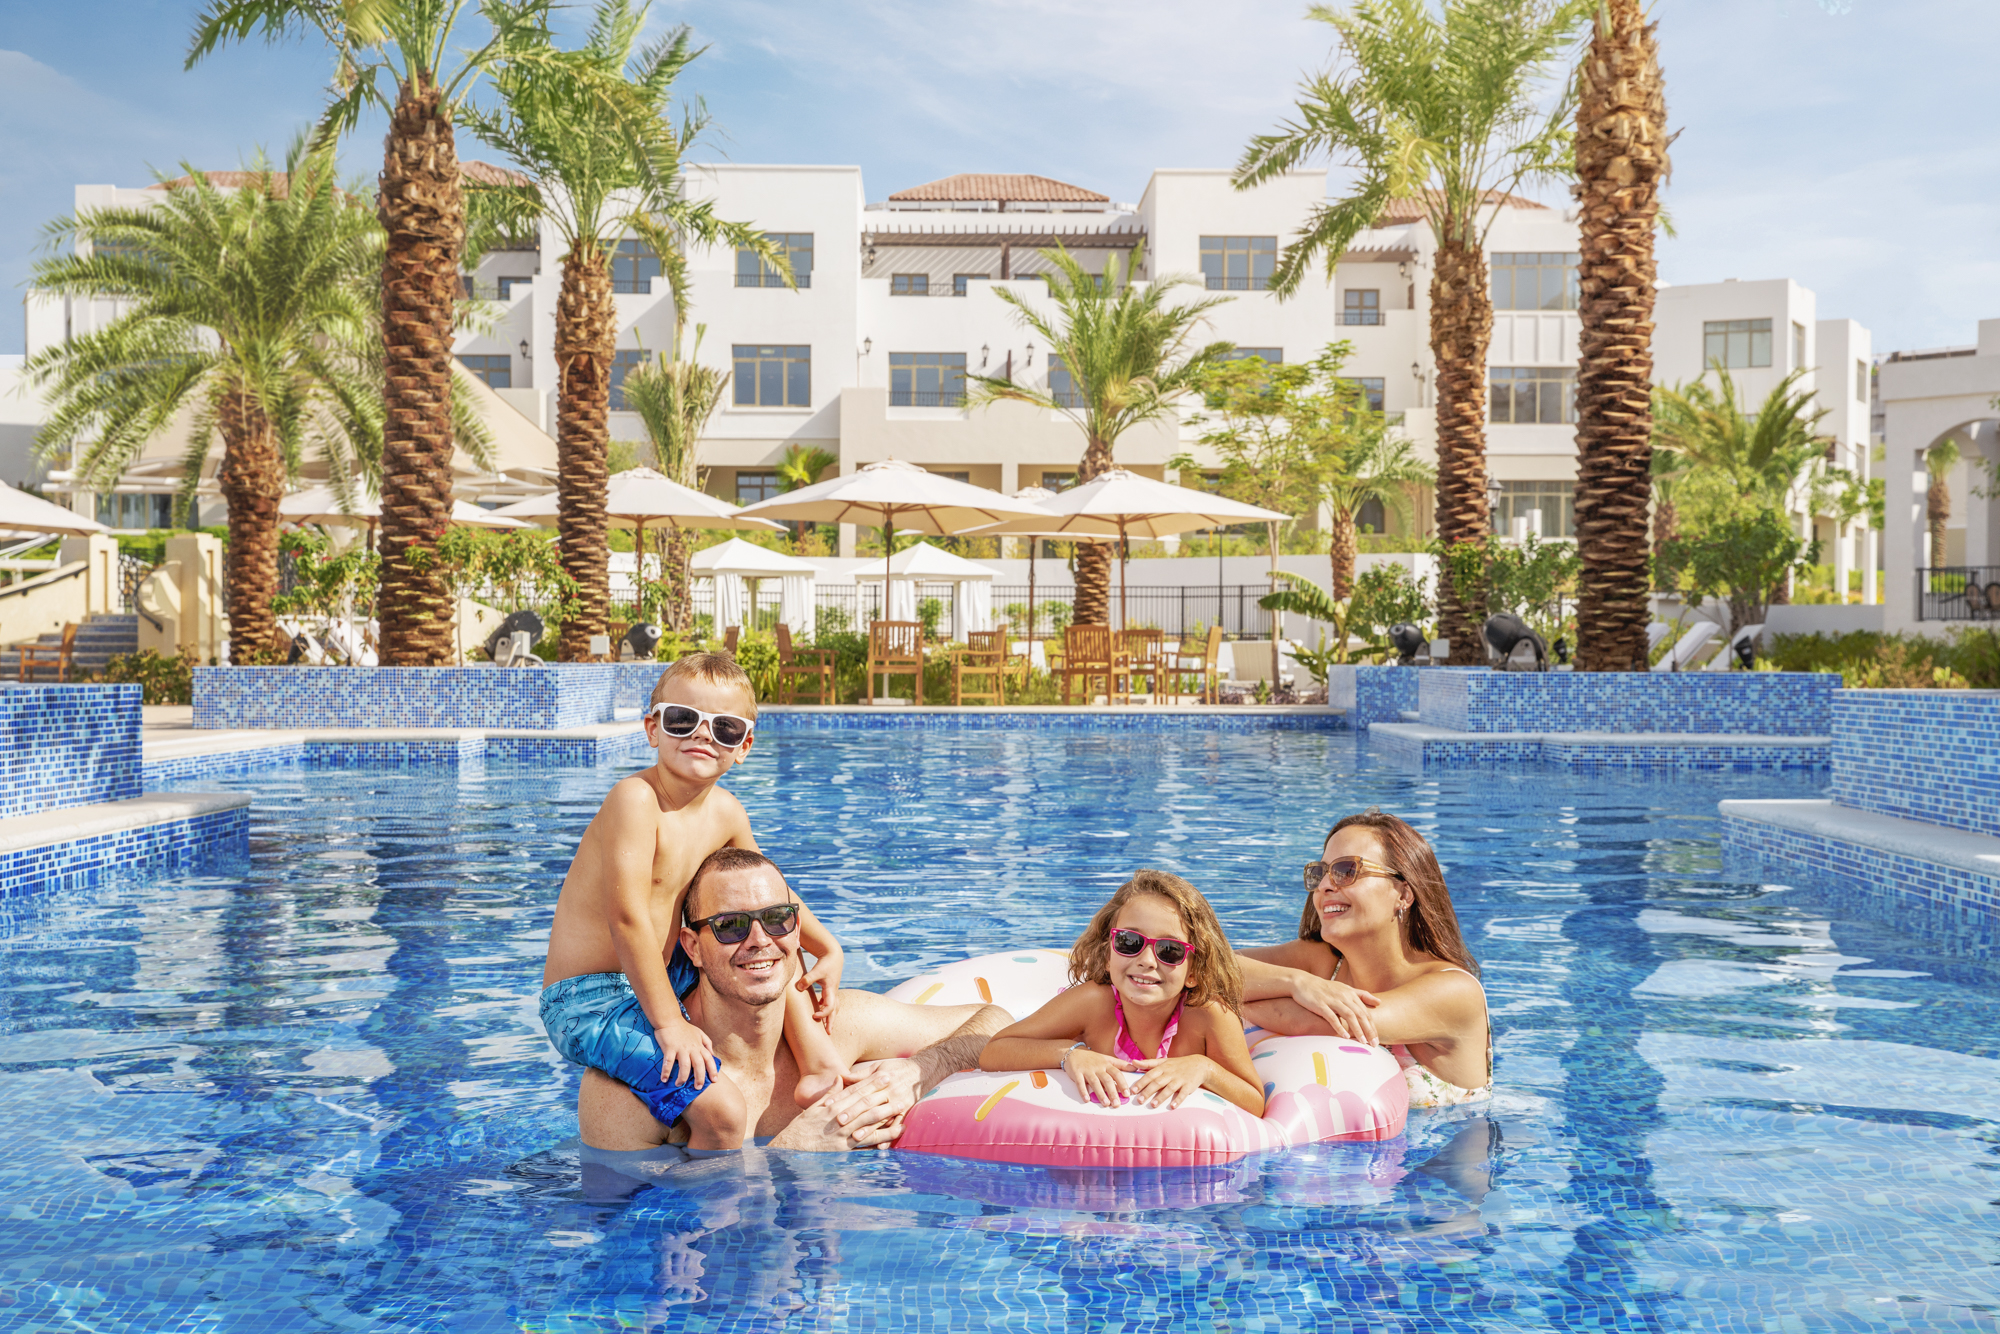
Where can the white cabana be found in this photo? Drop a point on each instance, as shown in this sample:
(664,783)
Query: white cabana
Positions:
(735,561)
(972,586)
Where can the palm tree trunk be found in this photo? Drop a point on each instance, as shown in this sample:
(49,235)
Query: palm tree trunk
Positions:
(1340,550)
(1621,142)
(1461,328)
(1093,559)
(586,337)
(1939,514)
(252,478)
(680,605)
(422,208)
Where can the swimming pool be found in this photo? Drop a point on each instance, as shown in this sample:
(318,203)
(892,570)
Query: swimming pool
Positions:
(314,1095)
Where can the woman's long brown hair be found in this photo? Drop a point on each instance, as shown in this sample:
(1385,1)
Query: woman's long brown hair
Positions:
(1431,925)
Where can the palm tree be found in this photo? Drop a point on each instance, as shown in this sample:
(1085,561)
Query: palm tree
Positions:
(1621,160)
(1379,464)
(253,308)
(1761,455)
(601,159)
(1444,106)
(1130,356)
(801,466)
(1939,460)
(411,44)
(674,397)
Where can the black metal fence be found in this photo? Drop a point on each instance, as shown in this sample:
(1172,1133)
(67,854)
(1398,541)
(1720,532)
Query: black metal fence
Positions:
(1958,593)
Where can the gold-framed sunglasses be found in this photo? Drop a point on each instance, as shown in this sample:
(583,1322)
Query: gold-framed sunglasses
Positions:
(1346,870)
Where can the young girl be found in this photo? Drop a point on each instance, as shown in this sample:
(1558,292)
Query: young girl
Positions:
(1157,993)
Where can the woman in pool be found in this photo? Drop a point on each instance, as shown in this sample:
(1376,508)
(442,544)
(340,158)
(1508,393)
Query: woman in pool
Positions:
(1379,959)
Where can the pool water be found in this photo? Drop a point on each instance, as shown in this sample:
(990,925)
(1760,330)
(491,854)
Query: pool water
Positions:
(314,1094)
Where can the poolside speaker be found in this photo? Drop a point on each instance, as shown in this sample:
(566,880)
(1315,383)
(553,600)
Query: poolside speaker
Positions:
(639,643)
(1746,650)
(1507,632)
(1409,642)
(521,622)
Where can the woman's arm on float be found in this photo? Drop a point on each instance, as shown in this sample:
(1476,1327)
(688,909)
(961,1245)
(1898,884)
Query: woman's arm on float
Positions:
(1299,972)
(1441,1008)
(1223,1066)
(1044,1041)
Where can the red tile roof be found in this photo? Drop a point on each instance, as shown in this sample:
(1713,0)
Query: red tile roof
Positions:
(1399,211)
(979,187)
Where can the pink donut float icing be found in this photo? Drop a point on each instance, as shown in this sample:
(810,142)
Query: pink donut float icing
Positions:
(1316,1089)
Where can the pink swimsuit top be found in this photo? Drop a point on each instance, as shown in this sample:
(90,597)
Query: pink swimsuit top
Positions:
(1125,1049)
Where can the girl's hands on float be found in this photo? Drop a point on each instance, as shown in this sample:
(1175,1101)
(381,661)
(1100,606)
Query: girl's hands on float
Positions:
(1345,1008)
(1096,1075)
(1168,1082)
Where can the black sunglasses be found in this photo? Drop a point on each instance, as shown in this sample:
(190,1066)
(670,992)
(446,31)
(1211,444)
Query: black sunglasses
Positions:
(1166,949)
(728,730)
(733,928)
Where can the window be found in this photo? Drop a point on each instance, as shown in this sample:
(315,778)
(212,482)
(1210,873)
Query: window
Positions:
(1052,277)
(121,509)
(960,476)
(1736,343)
(1271,356)
(1533,394)
(1861,380)
(773,377)
(1371,517)
(910,284)
(622,365)
(752,271)
(926,379)
(1062,385)
(633,267)
(1371,389)
(1058,481)
(1238,263)
(1798,346)
(507,285)
(497,371)
(752,487)
(1360,305)
(961,282)
(1533,280)
(1519,500)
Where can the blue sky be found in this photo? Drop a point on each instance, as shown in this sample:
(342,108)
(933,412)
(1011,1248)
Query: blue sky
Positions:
(1849,144)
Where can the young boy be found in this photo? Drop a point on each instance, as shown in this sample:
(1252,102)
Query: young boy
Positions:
(610,994)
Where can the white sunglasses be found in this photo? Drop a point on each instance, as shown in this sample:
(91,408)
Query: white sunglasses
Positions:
(679,720)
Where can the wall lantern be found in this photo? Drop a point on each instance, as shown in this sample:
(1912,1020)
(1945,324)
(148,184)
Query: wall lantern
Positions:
(871,252)
(1403,269)
(1417,371)
(867,346)
(1031,354)
(525,349)
(985,352)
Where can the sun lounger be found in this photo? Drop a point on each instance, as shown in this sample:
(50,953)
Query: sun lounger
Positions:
(1725,660)
(1698,636)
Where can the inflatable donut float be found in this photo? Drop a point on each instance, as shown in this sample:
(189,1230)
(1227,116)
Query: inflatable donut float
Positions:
(1316,1089)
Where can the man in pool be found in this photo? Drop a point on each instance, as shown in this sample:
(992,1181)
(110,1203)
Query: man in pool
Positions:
(740,929)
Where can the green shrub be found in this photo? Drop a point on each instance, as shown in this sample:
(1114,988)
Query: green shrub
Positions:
(164,680)
(1873,660)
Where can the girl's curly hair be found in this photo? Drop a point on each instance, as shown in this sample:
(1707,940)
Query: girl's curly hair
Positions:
(1213,974)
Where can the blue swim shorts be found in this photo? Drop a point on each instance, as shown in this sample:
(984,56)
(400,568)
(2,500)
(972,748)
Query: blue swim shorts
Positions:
(595,1020)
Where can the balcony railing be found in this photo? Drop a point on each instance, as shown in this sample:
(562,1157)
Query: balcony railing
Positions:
(926,398)
(805,280)
(1216,284)
(1360,317)
(1958,593)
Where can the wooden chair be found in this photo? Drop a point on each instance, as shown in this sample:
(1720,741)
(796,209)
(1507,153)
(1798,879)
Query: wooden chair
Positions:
(35,656)
(896,648)
(1090,652)
(1199,660)
(729,638)
(803,671)
(1142,649)
(984,656)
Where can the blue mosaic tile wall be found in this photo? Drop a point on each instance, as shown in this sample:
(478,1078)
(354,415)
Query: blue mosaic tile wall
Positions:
(546,698)
(1136,719)
(1930,755)
(1953,903)
(1596,753)
(185,768)
(203,841)
(1736,703)
(1372,694)
(67,745)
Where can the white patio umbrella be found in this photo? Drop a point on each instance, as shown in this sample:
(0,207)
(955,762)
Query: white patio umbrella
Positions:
(1126,505)
(972,600)
(896,494)
(1041,495)
(24,513)
(736,560)
(319,504)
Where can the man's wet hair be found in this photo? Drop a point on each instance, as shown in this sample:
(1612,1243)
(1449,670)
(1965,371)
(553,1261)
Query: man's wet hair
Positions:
(721,862)
(717,669)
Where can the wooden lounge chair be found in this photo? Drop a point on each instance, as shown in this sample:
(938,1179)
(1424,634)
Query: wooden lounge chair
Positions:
(1090,652)
(1144,659)
(803,671)
(896,648)
(729,638)
(36,656)
(1198,659)
(984,658)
